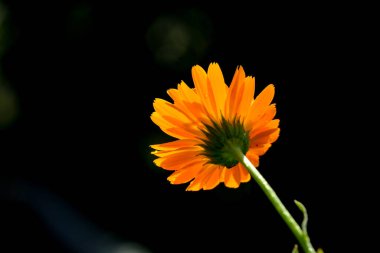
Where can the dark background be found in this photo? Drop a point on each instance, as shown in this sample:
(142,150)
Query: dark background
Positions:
(78,79)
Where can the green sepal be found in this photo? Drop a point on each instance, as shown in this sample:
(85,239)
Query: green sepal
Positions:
(220,137)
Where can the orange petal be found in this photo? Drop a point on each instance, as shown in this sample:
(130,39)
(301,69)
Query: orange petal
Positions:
(260,149)
(188,94)
(259,106)
(200,80)
(222,174)
(202,88)
(268,136)
(273,124)
(253,157)
(246,96)
(159,121)
(179,103)
(166,153)
(176,132)
(268,115)
(236,173)
(234,92)
(187,101)
(169,129)
(191,100)
(171,113)
(173,145)
(199,113)
(232,178)
(244,174)
(186,174)
(177,160)
(213,180)
(240,87)
(168,116)
(274,136)
(198,182)
(174,94)
(219,87)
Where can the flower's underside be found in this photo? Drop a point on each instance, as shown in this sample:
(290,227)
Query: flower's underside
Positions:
(205,120)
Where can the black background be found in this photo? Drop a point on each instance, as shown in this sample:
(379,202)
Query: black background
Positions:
(85,75)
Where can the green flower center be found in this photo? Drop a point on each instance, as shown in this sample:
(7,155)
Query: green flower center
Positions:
(221,139)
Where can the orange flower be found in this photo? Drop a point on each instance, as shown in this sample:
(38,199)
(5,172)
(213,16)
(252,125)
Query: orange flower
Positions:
(207,121)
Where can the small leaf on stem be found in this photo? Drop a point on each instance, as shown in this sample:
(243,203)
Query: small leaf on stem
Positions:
(305,217)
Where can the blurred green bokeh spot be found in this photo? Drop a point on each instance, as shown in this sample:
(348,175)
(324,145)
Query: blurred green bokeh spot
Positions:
(8,106)
(179,39)
(8,101)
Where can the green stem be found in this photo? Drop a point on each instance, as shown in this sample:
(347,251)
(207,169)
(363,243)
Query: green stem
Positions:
(302,238)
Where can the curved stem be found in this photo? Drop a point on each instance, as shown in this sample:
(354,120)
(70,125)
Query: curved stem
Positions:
(302,238)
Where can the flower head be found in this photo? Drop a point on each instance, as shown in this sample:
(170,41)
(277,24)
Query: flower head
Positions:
(210,120)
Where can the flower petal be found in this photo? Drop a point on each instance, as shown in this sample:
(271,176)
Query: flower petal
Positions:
(268,136)
(165,153)
(246,96)
(273,124)
(165,108)
(189,103)
(232,177)
(234,93)
(176,117)
(274,136)
(222,174)
(244,174)
(169,128)
(188,93)
(186,174)
(198,182)
(213,180)
(261,149)
(219,87)
(259,106)
(253,157)
(264,119)
(178,160)
(173,145)
(202,88)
